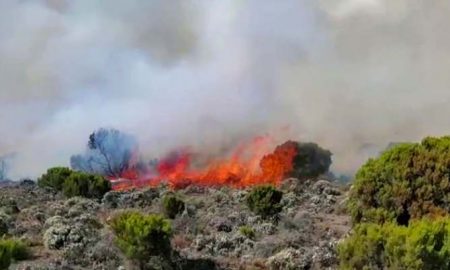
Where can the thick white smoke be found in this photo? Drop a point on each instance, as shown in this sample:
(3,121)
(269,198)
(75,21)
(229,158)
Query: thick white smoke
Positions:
(351,75)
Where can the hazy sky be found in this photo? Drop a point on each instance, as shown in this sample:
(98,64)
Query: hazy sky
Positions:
(352,75)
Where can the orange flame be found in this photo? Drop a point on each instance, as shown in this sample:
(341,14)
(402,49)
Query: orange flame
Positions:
(249,164)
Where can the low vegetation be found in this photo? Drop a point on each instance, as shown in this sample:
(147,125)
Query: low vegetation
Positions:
(5,258)
(141,236)
(424,244)
(399,204)
(73,183)
(408,181)
(86,185)
(3,227)
(172,205)
(247,231)
(54,177)
(12,250)
(216,229)
(264,200)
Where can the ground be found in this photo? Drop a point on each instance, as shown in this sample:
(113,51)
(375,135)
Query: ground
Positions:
(73,233)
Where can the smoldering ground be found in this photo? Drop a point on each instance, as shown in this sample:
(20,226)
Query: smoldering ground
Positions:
(351,75)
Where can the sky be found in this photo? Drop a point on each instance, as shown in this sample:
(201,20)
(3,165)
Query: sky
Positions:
(351,75)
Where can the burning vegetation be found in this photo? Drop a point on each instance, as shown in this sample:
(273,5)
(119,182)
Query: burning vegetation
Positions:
(109,153)
(113,154)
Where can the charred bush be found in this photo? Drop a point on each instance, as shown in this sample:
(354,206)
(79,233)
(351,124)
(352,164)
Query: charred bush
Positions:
(299,160)
(310,161)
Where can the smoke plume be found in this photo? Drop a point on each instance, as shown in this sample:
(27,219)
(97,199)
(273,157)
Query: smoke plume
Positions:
(351,75)
(109,152)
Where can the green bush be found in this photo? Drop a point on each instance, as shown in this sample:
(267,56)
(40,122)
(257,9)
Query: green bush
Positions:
(17,249)
(5,258)
(142,236)
(54,178)
(172,206)
(408,181)
(12,250)
(3,226)
(424,244)
(85,185)
(247,231)
(9,206)
(74,183)
(264,200)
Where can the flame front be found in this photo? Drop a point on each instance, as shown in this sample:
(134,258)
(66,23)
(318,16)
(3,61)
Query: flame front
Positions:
(249,164)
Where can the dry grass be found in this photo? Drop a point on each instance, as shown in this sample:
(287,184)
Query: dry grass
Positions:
(181,241)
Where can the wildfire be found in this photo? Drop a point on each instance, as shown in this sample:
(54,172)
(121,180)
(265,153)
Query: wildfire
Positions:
(249,164)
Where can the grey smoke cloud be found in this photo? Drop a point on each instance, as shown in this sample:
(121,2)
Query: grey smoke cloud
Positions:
(352,75)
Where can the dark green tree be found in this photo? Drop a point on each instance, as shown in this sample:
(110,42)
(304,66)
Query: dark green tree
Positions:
(408,181)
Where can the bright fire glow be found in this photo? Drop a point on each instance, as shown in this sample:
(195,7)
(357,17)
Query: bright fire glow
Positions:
(249,164)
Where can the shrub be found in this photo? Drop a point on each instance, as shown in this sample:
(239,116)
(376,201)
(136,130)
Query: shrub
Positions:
(9,206)
(172,206)
(12,250)
(247,231)
(142,236)
(3,226)
(264,200)
(55,177)
(425,244)
(363,249)
(5,258)
(86,185)
(407,181)
(17,249)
